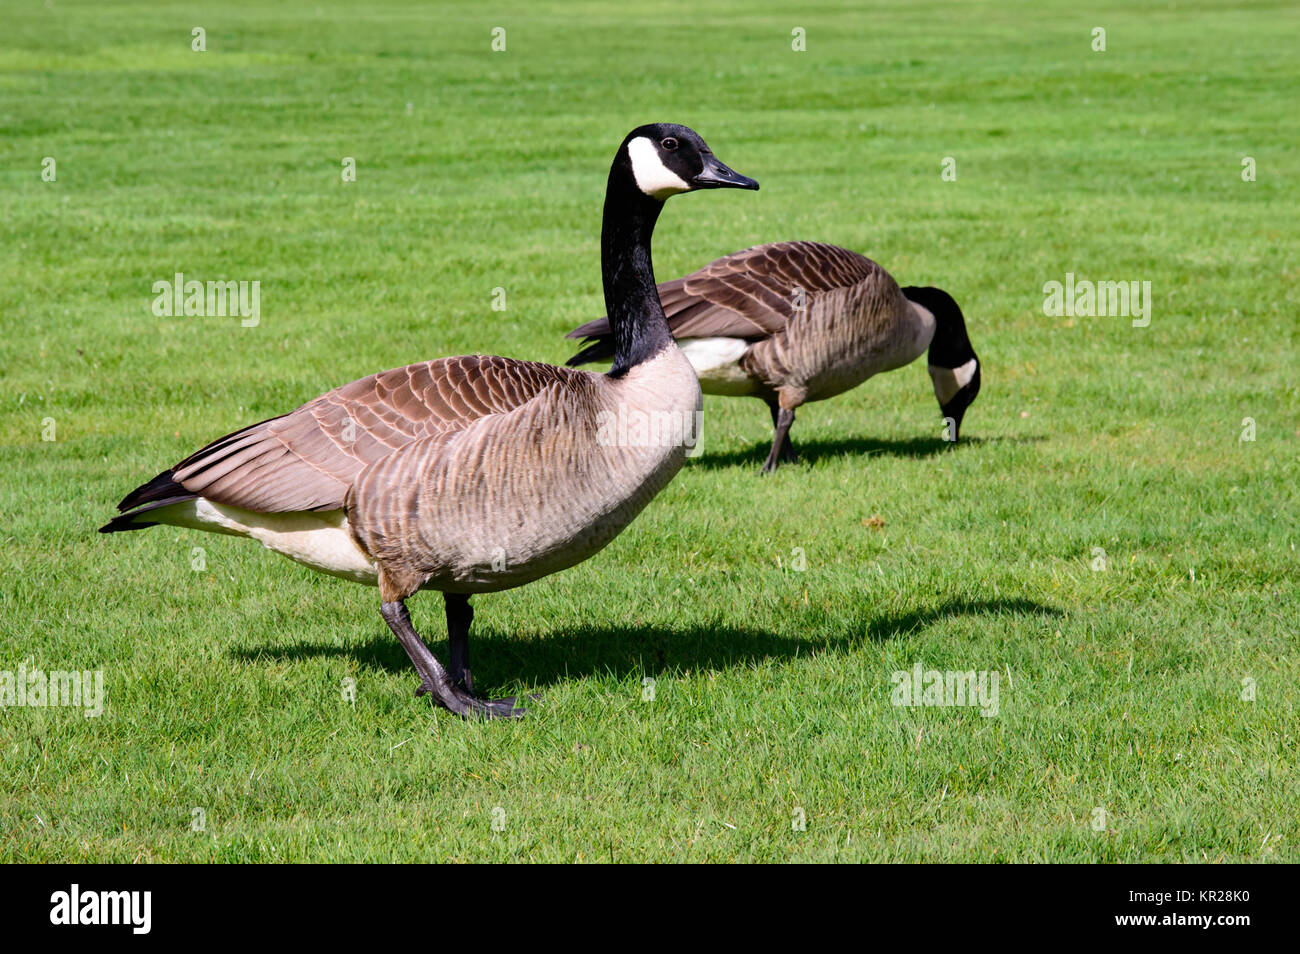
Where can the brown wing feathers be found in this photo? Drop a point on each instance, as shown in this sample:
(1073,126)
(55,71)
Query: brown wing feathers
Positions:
(749,294)
(307,459)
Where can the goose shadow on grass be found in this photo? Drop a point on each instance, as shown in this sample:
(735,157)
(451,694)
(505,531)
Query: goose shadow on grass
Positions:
(816,449)
(499,660)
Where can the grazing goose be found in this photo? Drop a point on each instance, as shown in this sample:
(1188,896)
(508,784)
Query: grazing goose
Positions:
(796,322)
(470,474)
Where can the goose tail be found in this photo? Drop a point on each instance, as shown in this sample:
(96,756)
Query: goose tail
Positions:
(162,491)
(602,349)
(598,341)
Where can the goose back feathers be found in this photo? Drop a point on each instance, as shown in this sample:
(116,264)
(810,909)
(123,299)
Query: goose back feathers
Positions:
(307,459)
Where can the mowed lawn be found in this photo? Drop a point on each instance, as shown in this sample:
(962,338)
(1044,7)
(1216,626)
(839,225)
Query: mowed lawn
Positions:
(1106,540)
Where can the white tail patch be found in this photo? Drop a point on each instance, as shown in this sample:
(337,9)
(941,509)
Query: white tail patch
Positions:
(652,176)
(717,364)
(322,541)
(948,381)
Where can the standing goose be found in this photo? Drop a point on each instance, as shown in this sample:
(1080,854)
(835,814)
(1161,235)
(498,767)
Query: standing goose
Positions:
(795,322)
(469,474)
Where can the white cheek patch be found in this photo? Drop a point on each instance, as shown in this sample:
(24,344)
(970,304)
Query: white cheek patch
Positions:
(948,381)
(652,176)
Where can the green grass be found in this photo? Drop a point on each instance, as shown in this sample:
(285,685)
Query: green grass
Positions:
(1121,689)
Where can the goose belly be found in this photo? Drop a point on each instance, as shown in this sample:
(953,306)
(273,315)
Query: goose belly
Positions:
(322,541)
(717,365)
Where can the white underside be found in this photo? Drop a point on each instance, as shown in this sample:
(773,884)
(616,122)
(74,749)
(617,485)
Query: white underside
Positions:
(717,364)
(948,381)
(322,541)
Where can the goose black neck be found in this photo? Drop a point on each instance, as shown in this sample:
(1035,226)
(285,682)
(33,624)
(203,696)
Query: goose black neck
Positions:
(950,347)
(636,317)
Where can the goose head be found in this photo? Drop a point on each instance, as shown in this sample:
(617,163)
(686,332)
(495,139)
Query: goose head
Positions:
(652,163)
(664,159)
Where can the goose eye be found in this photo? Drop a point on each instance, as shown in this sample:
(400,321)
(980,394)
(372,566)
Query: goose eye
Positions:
(669,144)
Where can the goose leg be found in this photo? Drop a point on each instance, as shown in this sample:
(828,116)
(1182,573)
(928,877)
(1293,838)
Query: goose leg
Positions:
(782,449)
(434,678)
(459,617)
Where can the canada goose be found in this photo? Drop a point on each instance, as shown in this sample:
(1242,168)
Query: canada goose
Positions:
(469,474)
(795,322)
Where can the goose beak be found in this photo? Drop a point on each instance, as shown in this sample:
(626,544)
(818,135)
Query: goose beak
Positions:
(715,175)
